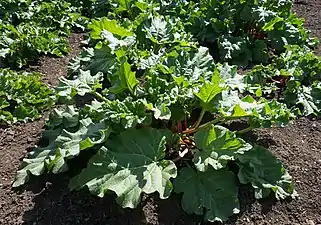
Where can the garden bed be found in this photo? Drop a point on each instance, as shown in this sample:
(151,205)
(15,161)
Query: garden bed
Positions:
(48,201)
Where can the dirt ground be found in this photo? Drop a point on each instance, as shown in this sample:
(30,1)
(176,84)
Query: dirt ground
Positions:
(47,201)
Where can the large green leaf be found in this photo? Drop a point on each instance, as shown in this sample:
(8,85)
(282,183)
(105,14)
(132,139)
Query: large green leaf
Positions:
(213,192)
(217,145)
(131,163)
(68,117)
(164,30)
(83,84)
(159,30)
(262,169)
(99,60)
(190,64)
(99,26)
(126,114)
(62,145)
(96,60)
(235,49)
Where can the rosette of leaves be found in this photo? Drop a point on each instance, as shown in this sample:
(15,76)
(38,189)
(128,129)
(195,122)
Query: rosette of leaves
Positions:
(141,133)
(23,97)
(160,111)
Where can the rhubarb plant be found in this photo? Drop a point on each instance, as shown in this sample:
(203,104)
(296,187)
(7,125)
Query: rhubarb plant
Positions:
(23,97)
(161,103)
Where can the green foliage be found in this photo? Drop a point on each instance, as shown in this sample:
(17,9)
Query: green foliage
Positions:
(245,30)
(260,168)
(213,190)
(293,78)
(131,163)
(23,96)
(217,146)
(64,142)
(33,27)
(163,84)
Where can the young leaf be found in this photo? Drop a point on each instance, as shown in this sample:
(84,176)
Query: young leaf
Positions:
(209,90)
(213,191)
(262,169)
(127,79)
(217,145)
(23,96)
(131,163)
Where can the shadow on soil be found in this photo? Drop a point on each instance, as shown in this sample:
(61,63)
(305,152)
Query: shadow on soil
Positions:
(54,204)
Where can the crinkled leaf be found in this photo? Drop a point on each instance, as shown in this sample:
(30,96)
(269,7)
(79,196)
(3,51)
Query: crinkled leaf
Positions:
(95,60)
(261,113)
(217,146)
(149,59)
(69,117)
(191,64)
(262,169)
(163,30)
(131,164)
(163,95)
(309,97)
(235,49)
(231,78)
(4,52)
(213,192)
(85,83)
(115,43)
(23,96)
(127,113)
(62,145)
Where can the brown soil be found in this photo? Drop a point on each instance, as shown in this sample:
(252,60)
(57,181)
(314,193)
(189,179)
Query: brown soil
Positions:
(47,201)
(310,10)
(53,68)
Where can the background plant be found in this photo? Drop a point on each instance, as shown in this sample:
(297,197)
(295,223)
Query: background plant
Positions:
(34,27)
(23,96)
